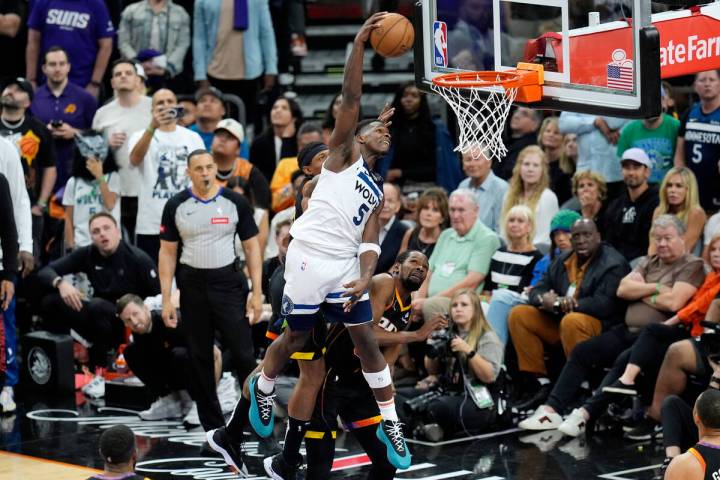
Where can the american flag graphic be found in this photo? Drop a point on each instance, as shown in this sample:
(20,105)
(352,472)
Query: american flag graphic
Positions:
(620,78)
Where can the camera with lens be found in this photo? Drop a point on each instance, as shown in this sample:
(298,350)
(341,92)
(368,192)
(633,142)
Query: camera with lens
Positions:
(438,344)
(419,404)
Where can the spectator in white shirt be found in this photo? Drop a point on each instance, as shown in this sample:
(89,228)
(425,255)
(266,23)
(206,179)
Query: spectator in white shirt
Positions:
(160,151)
(127,113)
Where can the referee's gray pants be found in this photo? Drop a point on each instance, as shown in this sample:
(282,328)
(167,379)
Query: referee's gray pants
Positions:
(210,300)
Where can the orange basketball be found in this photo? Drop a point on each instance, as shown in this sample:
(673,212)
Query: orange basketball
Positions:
(393,37)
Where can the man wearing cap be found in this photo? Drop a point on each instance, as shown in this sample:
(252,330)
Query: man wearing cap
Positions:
(127,113)
(35,147)
(160,152)
(628,217)
(656,136)
(209,110)
(225,144)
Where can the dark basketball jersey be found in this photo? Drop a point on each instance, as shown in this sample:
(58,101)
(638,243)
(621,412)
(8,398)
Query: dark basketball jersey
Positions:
(709,457)
(340,350)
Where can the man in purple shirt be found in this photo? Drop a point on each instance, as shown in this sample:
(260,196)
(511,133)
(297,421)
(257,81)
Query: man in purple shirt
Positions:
(82,27)
(64,107)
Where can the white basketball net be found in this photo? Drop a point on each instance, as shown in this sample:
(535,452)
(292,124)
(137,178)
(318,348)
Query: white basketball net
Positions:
(481,113)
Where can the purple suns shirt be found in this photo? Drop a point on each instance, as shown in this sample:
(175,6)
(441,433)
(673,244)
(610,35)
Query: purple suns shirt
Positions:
(76,26)
(74,106)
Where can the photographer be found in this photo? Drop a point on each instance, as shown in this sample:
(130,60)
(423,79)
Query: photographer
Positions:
(160,152)
(464,362)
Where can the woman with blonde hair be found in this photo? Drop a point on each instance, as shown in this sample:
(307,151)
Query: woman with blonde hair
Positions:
(469,360)
(679,196)
(529,186)
(512,265)
(432,218)
(561,165)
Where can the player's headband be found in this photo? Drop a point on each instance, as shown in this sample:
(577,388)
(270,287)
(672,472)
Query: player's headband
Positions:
(307,154)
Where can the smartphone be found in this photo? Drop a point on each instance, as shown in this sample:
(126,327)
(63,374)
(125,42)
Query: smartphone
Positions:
(56,123)
(177,111)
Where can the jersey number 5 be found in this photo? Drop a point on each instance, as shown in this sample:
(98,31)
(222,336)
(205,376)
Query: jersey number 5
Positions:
(364,208)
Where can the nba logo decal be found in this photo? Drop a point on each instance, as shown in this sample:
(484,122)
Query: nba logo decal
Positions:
(440,56)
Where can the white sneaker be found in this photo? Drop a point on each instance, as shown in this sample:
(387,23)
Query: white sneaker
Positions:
(574,424)
(7,400)
(227,395)
(192,418)
(163,408)
(96,387)
(542,419)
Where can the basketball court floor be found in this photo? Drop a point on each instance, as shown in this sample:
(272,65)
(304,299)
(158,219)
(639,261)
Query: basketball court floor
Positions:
(57,440)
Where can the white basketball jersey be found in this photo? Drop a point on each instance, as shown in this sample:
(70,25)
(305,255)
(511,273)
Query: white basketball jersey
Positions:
(338,210)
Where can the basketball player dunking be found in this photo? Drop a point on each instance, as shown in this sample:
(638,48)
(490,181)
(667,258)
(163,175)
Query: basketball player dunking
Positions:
(332,258)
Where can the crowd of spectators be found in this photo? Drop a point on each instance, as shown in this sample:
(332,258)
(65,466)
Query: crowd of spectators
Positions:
(587,241)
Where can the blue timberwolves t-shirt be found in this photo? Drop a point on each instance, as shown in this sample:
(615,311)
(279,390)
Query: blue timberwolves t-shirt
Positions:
(76,26)
(702,152)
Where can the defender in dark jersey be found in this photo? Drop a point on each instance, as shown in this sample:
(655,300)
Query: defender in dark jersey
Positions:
(701,462)
(345,391)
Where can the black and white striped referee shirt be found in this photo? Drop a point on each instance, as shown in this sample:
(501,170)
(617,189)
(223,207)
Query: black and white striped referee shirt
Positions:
(207,228)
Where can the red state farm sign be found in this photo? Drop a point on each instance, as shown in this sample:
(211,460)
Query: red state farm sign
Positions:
(689,43)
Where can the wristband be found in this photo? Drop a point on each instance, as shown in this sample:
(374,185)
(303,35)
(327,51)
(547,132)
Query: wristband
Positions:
(369,247)
(657,288)
(56,282)
(471,354)
(653,299)
(94,83)
(150,130)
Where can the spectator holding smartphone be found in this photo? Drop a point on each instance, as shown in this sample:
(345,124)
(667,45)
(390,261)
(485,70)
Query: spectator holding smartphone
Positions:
(160,152)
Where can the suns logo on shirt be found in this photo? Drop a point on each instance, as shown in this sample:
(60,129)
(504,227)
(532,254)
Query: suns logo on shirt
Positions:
(71,108)
(64,18)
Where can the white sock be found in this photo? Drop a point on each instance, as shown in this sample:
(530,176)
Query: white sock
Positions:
(543,381)
(265,383)
(387,410)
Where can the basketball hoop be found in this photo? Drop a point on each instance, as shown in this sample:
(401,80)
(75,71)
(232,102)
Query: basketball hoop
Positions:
(481,101)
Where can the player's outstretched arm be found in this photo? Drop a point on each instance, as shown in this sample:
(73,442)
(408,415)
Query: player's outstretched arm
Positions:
(347,116)
(368,259)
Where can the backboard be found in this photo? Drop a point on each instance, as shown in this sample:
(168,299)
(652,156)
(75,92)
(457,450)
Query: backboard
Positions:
(599,56)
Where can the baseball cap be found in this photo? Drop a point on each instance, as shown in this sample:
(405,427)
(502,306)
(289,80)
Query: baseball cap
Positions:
(140,71)
(209,91)
(637,155)
(233,127)
(23,85)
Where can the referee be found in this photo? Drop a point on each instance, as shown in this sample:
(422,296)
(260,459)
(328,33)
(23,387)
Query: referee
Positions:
(213,289)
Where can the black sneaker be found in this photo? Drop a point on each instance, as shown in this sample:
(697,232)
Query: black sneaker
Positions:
(535,400)
(617,387)
(220,441)
(278,469)
(646,429)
